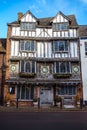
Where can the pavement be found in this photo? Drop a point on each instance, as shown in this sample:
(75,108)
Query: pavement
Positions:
(41,109)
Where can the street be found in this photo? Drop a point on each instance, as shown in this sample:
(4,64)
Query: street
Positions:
(43,121)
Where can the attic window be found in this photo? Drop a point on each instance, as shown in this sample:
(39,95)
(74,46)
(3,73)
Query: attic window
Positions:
(60,26)
(27,26)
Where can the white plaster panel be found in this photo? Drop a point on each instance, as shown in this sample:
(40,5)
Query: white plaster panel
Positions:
(13,31)
(16,48)
(72,49)
(22,33)
(12,48)
(71,32)
(17,31)
(28,18)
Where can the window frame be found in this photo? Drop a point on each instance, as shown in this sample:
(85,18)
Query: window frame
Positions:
(60,26)
(28,26)
(22,92)
(66,90)
(24,43)
(57,46)
(59,66)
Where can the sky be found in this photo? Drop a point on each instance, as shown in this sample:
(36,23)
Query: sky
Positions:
(40,8)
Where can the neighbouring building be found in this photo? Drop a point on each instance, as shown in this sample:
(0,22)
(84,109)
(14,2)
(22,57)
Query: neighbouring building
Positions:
(43,55)
(2,68)
(83,53)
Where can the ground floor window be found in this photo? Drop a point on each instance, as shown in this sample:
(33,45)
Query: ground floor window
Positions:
(67,90)
(25,92)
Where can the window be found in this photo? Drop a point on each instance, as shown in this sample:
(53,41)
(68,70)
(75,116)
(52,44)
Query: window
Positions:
(12,90)
(27,45)
(60,26)
(62,67)
(28,67)
(86,48)
(60,46)
(67,90)
(28,26)
(25,92)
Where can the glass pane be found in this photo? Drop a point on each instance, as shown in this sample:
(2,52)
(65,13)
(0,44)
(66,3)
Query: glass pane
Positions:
(27,67)
(61,46)
(22,26)
(66,46)
(67,67)
(56,46)
(23,92)
(18,92)
(22,45)
(27,92)
(22,66)
(27,45)
(32,46)
(62,67)
(57,67)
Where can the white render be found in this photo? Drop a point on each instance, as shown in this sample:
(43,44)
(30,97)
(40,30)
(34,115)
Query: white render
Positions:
(83,67)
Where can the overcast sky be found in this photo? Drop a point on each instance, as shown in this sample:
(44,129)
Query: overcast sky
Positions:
(40,8)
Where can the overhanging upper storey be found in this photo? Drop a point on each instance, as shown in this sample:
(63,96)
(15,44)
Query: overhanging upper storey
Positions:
(28,26)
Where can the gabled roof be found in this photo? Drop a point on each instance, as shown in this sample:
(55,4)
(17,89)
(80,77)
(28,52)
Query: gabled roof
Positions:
(83,30)
(48,21)
(62,15)
(28,12)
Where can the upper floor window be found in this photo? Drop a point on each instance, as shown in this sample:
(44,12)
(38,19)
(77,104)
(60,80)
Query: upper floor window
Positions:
(27,26)
(62,67)
(60,26)
(27,45)
(86,48)
(60,46)
(27,67)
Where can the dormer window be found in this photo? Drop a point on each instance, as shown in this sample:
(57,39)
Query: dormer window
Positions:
(28,26)
(60,26)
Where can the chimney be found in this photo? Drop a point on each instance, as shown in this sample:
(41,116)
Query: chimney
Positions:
(20,14)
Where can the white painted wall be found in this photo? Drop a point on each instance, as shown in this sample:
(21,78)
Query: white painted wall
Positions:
(84,67)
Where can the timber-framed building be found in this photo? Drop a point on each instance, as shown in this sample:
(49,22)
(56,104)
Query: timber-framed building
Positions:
(44,59)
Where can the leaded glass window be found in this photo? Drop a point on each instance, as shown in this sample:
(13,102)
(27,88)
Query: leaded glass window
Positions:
(67,90)
(62,67)
(28,26)
(24,92)
(27,45)
(60,26)
(60,46)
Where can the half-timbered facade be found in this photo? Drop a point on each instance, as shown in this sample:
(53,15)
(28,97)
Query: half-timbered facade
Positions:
(44,60)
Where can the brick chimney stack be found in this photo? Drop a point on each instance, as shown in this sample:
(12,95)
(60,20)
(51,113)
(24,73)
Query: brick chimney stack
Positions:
(20,14)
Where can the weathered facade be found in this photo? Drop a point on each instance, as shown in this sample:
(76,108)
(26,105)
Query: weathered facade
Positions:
(44,59)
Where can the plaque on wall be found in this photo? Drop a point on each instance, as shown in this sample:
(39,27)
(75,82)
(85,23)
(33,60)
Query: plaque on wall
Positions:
(44,69)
